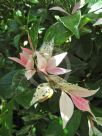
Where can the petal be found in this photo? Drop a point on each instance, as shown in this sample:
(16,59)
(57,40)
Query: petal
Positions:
(81,103)
(17,60)
(57,71)
(29,74)
(66,108)
(41,62)
(56,60)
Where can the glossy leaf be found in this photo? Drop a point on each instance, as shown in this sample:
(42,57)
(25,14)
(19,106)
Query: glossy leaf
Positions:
(61,36)
(72,23)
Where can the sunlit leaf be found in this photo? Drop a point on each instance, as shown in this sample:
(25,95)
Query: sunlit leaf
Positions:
(66,108)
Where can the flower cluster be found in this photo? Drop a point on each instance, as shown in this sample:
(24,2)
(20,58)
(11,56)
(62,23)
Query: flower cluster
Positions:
(43,64)
(43,61)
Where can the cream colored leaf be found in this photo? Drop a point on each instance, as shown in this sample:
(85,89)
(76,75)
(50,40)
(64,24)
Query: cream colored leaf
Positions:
(47,49)
(43,92)
(57,80)
(66,108)
(77,90)
(98,120)
(93,131)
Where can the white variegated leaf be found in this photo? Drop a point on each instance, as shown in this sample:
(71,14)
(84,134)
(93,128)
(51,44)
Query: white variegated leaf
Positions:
(98,22)
(59,9)
(57,80)
(78,5)
(93,131)
(98,120)
(47,49)
(71,88)
(77,90)
(96,6)
(43,92)
(66,108)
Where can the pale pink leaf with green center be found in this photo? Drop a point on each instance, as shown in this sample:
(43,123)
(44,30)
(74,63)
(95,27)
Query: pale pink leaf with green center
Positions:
(66,108)
(56,60)
(81,103)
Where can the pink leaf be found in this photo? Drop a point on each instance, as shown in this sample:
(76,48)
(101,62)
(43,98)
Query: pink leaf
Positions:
(26,50)
(57,71)
(23,58)
(30,63)
(81,103)
(17,60)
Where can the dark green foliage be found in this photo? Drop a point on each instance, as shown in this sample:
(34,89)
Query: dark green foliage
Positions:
(73,33)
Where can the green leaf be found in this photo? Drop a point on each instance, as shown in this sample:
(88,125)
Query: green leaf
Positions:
(76,63)
(57,32)
(19,82)
(73,124)
(55,128)
(34,1)
(83,129)
(33,32)
(5,85)
(72,23)
(99,93)
(25,98)
(97,111)
(23,91)
(16,40)
(23,131)
(7,116)
(19,13)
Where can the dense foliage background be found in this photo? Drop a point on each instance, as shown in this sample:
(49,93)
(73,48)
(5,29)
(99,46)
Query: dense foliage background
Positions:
(77,33)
